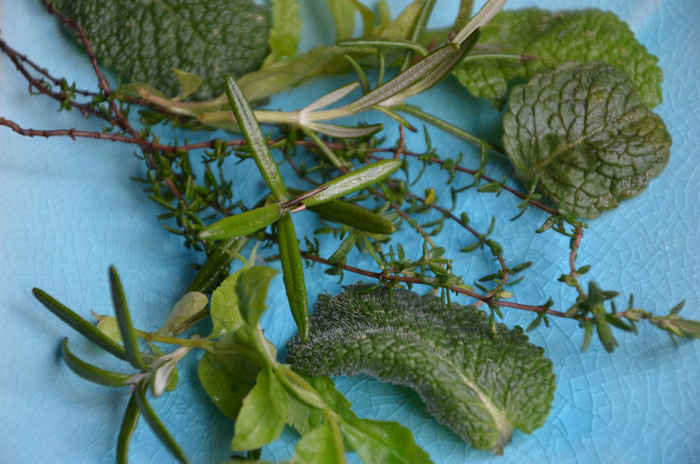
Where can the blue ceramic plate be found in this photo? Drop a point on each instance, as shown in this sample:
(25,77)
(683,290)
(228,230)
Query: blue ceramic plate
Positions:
(69,210)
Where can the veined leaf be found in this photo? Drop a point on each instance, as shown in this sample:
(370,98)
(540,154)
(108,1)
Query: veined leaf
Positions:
(547,39)
(481,385)
(305,418)
(251,288)
(145,40)
(383,442)
(225,316)
(320,446)
(263,415)
(191,304)
(583,133)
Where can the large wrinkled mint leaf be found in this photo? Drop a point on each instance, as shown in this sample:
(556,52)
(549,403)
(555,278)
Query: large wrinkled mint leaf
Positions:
(583,133)
(481,387)
(551,38)
(145,40)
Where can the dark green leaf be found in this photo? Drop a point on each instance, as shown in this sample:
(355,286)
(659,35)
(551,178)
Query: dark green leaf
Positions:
(584,135)
(129,423)
(383,442)
(355,180)
(588,335)
(547,39)
(293,273)
(354,216)
(242,224)
(126,329)
(90,372)
(79,324)
(157,426)
(251,288)
(263,415)
(345,247)
(255,138)
(215,269)
(448,355)
(144,41)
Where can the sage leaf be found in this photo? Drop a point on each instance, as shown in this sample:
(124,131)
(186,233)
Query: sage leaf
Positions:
(90,372)
(319,446)
(191,304)
(225,316)
(547,39)
(583,133)
(263,415)
(145,40)
(383,442)
(129,423)
(482,385)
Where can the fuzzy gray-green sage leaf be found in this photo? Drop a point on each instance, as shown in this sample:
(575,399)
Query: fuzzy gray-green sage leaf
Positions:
(586,138)
(480,386)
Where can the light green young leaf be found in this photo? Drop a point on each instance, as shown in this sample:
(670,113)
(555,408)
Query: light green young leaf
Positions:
(189,83)
(228,378)
(583,133)
(547,39)
(319,446)
(343,12)
(286,29)
(154,37)
(187,307)
(251,287)
(383,442)
(305,418)
(263,414)
(108,326)
(479,385)
(401,27)
(225,316)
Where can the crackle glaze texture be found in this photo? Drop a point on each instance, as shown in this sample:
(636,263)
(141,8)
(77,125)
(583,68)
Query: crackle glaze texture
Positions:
(69,210)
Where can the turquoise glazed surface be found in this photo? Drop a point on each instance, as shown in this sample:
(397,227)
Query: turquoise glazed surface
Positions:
(69,210)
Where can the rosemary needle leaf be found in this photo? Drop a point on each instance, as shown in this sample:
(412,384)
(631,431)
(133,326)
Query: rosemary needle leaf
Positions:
(293,274)
(121,309)
(215,269)
(355,180)
(242,224)
(157,426)
(82,326)
(90,372)
(129,423)
(255,138)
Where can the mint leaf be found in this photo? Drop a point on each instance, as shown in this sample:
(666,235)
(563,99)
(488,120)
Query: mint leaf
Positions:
(547,39)
(146,40)
(263,414)
(383,442)
(251,289)
(227,380)
(585,136)
(319,447)
(480,386)
(225,316)
(305,418)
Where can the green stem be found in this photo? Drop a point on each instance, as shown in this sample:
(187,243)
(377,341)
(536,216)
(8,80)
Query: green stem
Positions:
(189,342)
(448,127)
